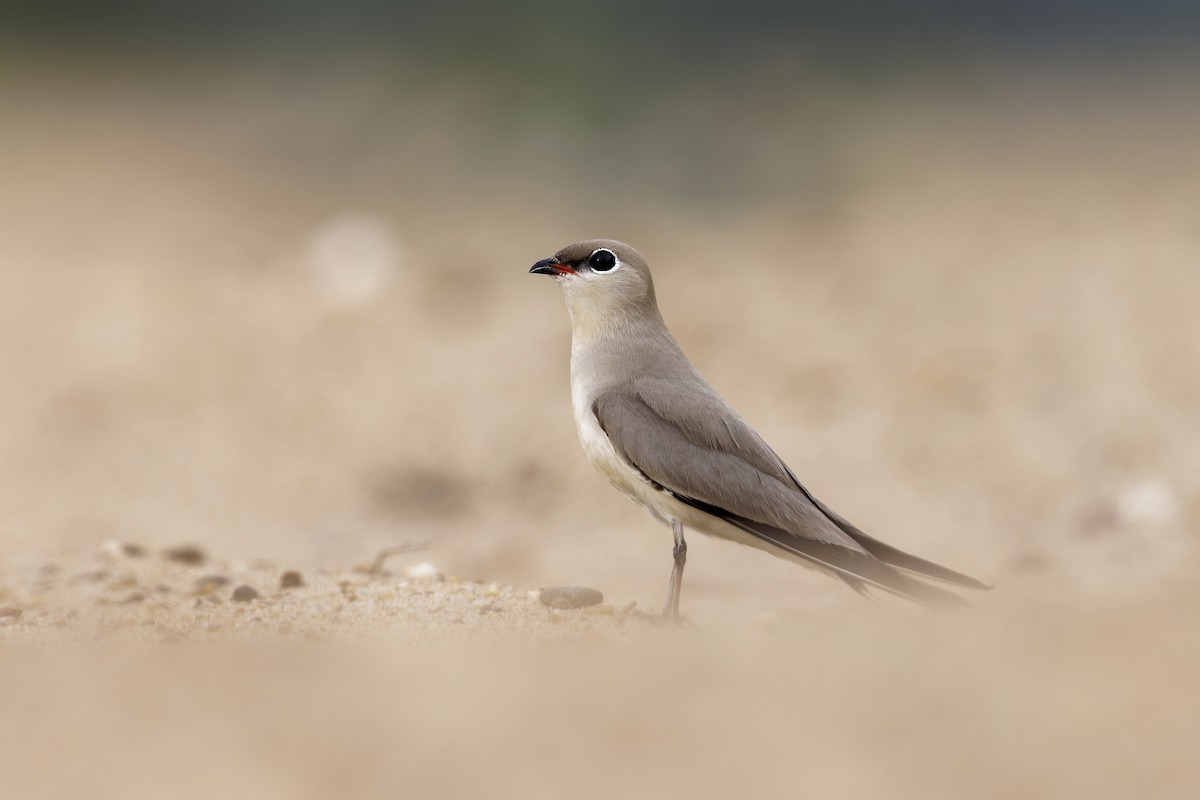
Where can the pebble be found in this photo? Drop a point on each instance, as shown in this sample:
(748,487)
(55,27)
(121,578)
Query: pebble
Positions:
(114,548)
(424,572)
(564,597)
(291,579)
(209,584)
(1151,502)
(188,554)
(244,594)
(602,610)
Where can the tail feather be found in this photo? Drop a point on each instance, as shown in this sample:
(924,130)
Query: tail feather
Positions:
(898,558)
(890,555)
(858,568)
(901,585)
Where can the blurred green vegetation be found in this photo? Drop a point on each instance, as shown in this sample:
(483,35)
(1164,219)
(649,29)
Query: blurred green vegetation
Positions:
(692,30)
(711,103)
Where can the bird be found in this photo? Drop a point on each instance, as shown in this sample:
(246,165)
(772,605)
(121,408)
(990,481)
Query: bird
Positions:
(661,435)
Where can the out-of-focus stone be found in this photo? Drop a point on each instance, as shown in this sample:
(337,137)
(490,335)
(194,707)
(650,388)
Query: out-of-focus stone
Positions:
(1151,502)
(115,549)
(291,579)
(244,594)
(565,597)
(424,572)
(188,554)
(209,584)
(602,610)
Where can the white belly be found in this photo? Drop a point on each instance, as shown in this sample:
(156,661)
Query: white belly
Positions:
(603,457)
(659,504)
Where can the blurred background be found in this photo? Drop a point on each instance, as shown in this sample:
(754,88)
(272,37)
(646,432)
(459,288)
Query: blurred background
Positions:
(263,280)
(264,284)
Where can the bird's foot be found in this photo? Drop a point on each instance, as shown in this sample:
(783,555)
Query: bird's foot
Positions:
(670,617)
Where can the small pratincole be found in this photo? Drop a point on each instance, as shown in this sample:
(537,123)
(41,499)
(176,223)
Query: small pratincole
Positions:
(651,425)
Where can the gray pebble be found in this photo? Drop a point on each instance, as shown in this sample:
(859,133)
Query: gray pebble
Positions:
(291,579)
(188,554)
(564,597)
(244,594)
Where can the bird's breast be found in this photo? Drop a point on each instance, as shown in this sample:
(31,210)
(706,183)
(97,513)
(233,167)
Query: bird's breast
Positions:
(604,457)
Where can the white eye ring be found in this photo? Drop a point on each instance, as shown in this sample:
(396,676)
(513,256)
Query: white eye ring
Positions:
(616,262)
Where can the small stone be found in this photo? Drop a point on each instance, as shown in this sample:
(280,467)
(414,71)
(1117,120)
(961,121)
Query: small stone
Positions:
(564,597)
(188,554)
(11,612)
(244,594)
(602,610)
(424,572)
(115,549)
(493,590)
(291,579)
(209,584)
(1151,502)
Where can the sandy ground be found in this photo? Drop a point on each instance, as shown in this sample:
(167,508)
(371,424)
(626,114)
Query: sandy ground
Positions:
(290,324)
(135,675)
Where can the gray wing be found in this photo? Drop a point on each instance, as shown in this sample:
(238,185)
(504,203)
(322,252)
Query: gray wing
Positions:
(686,440)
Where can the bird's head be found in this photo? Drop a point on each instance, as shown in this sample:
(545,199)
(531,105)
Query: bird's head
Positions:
(605,282)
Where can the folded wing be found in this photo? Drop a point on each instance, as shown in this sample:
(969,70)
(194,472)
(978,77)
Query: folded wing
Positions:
(689,443)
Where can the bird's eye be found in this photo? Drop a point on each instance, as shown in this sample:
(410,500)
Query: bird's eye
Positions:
(602,260)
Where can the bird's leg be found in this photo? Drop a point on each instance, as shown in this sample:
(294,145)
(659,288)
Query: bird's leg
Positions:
(671,610)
